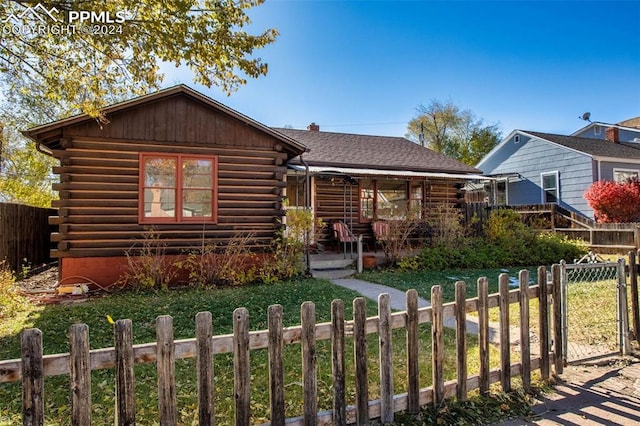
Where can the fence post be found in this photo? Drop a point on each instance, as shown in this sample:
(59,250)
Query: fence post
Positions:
(633,283)
(80,374)
(32,378)
(360,355)
(557,319)
(338,369)
(276,368)
(505,338)
(564,309)
(437,345)
(165,366)
(525,345)
(413,372)
(125,376)
(461,340)
(204,368)
(386,358)
(483,333)
(623,309)
(543,303)
(309,363)
(241,369)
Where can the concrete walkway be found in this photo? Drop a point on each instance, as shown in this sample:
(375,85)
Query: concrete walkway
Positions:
(398,302)
(604,393)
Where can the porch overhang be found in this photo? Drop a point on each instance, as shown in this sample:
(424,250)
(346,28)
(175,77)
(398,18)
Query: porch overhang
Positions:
(317,170)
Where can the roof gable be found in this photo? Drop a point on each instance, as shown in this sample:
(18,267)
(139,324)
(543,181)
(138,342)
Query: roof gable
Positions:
(587,146)
(175,115)
(376,152)
(593,147)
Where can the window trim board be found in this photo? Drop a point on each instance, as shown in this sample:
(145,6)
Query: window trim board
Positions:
(178,218)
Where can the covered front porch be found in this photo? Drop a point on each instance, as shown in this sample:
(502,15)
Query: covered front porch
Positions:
(360,197)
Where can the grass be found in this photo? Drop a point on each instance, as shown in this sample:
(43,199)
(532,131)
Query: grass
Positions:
(143,307)
(422,281)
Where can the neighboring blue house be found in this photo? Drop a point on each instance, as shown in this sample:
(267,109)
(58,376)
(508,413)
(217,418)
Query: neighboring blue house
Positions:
(537,168)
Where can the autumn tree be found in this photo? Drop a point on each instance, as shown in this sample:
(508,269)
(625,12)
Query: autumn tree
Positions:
(454,132)
(53,65)
(86,66)
(617,202)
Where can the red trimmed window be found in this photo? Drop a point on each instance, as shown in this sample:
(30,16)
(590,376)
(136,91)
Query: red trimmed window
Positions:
(388,199)
(177,188)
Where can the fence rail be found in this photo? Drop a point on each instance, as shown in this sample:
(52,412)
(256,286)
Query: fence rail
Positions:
(24,234)
(33,367)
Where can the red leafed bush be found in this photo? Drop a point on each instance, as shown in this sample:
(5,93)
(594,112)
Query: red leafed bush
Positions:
(615,201)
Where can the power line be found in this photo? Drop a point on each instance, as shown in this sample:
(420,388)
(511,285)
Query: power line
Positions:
(354,125)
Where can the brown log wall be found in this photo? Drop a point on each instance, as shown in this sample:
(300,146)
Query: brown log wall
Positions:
(98,206)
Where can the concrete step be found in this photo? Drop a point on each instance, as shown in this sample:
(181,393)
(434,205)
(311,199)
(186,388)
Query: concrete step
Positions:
(332,263)
(332,274)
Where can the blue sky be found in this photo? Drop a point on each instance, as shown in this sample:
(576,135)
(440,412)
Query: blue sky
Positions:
(364,66)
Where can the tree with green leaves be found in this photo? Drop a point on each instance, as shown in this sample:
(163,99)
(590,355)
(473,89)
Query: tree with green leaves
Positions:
(64,57)
(89,65)
(444,127)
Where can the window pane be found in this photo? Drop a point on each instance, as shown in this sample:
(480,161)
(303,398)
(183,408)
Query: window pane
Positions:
(159,202)
(624,175)
(366,199)
(196,203)
(549,181)
(295,191)
(197,173)
(392,199)
(501,193)
(416,200)
(160,172)
(550,196)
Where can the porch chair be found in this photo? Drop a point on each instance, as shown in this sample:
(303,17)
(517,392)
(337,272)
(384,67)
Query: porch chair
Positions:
(342,234)
(380,233)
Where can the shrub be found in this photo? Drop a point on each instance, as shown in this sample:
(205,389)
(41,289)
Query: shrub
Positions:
(148,265)
(478,253)
(445,224)
(615,201)
(233,264)
(291,244)
(397,239)
(11,301)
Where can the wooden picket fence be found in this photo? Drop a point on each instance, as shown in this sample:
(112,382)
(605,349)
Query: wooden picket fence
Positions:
(25,235)
(33,367)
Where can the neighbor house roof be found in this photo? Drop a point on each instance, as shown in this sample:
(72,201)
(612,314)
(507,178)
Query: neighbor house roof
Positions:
(632,122)
(372,152)
(593,147)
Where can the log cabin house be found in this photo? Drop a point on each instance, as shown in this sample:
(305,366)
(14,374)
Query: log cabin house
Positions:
(194,169)
(359,179)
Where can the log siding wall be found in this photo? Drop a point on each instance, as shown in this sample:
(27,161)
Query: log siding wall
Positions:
(98,206)
(99,177)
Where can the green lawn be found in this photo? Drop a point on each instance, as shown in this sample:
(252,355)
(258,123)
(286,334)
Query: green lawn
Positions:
(422,281)
(143,307)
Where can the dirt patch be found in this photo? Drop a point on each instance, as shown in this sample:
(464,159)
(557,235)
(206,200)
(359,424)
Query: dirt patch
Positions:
(42,288)
(42,282)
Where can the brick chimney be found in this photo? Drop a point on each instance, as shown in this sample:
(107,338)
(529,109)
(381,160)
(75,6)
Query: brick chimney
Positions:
(612,134)
(313,127)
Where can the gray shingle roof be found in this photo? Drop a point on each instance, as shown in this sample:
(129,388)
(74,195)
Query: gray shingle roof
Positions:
(375,152)
(596,147)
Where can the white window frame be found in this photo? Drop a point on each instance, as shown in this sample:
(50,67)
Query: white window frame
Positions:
(544,190)
(636,171)
(597,130)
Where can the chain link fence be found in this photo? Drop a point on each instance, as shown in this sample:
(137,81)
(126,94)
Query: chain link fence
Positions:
(595,309)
